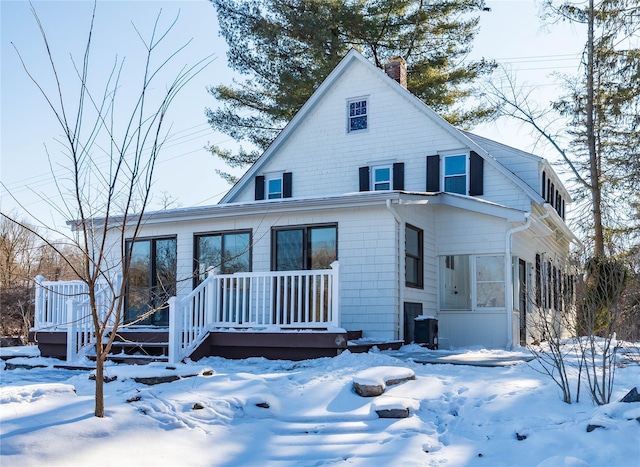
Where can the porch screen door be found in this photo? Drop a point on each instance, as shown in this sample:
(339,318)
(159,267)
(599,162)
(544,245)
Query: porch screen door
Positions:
(152,280)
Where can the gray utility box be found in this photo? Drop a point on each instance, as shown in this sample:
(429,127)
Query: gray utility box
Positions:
(426,332)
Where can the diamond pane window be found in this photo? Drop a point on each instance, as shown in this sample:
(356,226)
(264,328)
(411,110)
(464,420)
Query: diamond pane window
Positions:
(357,115)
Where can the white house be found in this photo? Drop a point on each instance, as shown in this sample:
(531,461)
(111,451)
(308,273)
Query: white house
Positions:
(416,216)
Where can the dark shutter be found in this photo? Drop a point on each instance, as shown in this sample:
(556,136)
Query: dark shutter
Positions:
(433,173)
(286,185)
(544,183)
(398,176)
(476,175)
(538,284)
(364,179)
(259,182)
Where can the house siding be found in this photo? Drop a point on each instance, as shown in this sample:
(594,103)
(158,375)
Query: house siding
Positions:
(325,160)
(321,149)
(367,252)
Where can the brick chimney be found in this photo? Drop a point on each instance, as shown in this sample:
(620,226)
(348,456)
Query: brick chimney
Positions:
(396,68)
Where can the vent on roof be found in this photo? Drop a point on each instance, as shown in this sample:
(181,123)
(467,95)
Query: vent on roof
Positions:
(396,68)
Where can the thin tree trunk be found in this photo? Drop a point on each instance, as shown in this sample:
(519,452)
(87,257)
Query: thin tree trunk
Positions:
(594,172)
(99,399)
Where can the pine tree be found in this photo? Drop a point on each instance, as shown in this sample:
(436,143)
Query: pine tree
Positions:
(286,48)
(603,106)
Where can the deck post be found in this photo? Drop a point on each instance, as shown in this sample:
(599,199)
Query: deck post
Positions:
(72,334)
(40,304)
(211,311)
(174,331)
(335,294)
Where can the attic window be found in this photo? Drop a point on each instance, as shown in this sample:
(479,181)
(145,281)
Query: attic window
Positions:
(357,115)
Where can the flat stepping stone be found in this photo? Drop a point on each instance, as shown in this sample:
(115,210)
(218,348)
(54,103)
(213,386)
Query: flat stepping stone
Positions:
(374,381)
(393,407)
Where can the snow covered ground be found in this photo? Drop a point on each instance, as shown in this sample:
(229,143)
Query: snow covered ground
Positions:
(260,412)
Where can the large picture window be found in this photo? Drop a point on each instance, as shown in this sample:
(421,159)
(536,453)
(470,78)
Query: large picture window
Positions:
(151,281)
(308,247)
(228,252)
(413,257)
(467,280)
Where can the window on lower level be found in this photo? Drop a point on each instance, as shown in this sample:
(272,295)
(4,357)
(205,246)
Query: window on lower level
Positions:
(468,281)
(414,275)
(151,280)
(227,252)
(304,247)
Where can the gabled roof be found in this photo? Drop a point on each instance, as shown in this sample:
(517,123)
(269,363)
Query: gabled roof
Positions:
(351,57)
(489,143)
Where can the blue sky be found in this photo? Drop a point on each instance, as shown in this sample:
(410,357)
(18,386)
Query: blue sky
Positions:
(511,33)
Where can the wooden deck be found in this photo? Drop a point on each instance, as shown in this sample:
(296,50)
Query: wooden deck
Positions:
(148,345)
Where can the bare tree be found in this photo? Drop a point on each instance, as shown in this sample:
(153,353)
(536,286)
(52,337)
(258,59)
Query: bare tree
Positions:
(598,138)
(110,169)
(18,263)
(599,308)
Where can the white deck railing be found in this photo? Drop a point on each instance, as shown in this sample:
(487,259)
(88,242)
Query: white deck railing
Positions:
(265,300)
(260,300)
(64,305)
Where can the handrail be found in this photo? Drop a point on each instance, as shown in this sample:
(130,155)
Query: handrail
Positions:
(275,300)
(65,305)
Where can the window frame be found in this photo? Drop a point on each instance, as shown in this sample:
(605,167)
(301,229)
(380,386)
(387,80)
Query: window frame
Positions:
(160,316)
(350,118)
(466,174)
(222,234)
(306,242)
(389,181)
(270,194)
(473,282)
(419,259)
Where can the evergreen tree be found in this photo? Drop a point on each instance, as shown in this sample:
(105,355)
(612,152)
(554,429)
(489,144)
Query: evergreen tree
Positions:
(603,106)
(287,47)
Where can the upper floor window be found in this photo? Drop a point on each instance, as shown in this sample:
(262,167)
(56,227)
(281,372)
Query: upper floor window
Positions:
(274,186)
(455,174)
(357,115)
(381,178)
